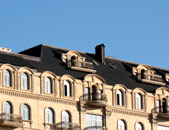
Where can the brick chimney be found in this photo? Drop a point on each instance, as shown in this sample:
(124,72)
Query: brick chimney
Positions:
(100,53)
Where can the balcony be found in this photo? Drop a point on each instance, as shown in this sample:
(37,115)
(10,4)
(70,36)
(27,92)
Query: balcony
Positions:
(81,66)
(95,128)
(161,113)
(10,120)
(153,79)
(94,99)
(65,126)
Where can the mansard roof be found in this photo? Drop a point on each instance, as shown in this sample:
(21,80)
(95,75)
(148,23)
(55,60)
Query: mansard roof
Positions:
(47,58)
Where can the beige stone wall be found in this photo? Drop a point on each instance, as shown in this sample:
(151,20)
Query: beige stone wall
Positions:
(38,100)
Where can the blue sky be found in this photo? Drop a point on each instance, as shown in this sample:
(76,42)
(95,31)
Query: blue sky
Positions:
(133,30)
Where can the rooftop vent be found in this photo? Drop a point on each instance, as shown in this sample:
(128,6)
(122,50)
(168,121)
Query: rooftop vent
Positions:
(2,49)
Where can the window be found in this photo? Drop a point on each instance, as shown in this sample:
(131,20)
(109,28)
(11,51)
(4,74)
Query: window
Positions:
(49,116)
(7,108)
(67,88)
(7,78)
(94,121)
(25,81)
(25,112)
(66,116)
(48,85)
(120,98)
(121,125)
(139,102)
(139,126)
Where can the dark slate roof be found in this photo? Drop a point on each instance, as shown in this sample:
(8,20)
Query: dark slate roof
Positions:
(114,71)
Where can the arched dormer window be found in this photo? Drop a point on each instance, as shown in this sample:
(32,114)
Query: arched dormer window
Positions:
(120,99)
(73,61)
(139,126)
(25,81)
(25,112)
(49,116)
(139,101)
(7,78)
(121,125)
(67,88)
(48,85)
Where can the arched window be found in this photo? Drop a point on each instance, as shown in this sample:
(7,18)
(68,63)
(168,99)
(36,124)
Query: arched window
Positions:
(139,101)
(7,108)
(67,88)
(7,78)
(25,112)
(25,81)
(139,126)
(120,101)
(121,125)
(66,116)
(49,116)
(48,85)
(73,61)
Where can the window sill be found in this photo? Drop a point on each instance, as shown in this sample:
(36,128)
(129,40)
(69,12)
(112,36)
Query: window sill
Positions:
(8,87)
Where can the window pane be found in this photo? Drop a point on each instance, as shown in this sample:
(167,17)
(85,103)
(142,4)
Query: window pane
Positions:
(68,88)
(93,120)
(48,85)
(25,112)
(24,81)
(7,78)
(49,116)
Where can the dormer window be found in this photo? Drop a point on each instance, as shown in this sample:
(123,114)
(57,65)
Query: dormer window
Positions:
(75,61)
(146,75)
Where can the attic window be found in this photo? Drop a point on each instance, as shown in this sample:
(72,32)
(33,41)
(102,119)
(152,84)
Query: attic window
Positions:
(145,74)
(75,61)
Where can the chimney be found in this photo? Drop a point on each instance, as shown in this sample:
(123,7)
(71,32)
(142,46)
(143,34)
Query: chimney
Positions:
(100,53)
(2,49)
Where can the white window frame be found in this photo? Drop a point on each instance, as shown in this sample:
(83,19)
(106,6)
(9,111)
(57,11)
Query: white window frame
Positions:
(7,78)
(139,103)
(48,85)
(139,126)
(94,120)
(67,88)
(120,97)
(121,125)
(25,112)
(49,116)
(25,81)
(7,108)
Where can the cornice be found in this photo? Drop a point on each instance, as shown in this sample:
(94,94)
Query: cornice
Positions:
(129,112)
(38,97)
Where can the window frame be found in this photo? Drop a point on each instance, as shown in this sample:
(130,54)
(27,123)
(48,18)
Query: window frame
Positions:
(25,113)
(119,97)
(68,88)
(25,85)
(48,87)
(121,125)
(7,78)
(49,116)
(139,126)
(139,101)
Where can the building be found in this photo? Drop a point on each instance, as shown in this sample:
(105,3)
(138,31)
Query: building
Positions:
(50,88)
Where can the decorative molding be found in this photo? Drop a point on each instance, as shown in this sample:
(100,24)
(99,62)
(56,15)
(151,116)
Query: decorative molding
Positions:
(39,97)
(129,112)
